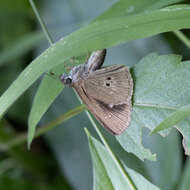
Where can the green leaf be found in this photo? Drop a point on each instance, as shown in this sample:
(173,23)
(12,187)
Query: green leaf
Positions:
(49,89)
(184,129)
(160,83)
(97,35)
(107,174)
(156,88)
(124,8)
(174,118)
(131,140)
(47,92)
(162,172)
(184,182)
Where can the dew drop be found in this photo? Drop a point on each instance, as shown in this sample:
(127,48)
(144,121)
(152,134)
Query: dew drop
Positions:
(130,9)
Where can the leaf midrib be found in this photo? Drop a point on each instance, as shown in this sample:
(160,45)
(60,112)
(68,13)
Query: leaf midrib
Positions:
(148,105)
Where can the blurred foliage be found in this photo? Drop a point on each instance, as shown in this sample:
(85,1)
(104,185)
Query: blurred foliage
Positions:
(16,19)
(20,168)
(12,183)
(61,160)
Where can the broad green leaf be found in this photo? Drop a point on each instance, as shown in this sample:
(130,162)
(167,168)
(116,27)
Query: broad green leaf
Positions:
(131,140)
(126,7)
(184,182)
(184,129)
(162,172)
(161,86)
(107,174)
(118,9)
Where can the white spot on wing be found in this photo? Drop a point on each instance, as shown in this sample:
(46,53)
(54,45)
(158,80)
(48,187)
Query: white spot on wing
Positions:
(110,105)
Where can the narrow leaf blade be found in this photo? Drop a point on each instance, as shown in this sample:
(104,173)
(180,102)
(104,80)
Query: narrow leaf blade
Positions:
(113,176)
(173,119)
(49,89)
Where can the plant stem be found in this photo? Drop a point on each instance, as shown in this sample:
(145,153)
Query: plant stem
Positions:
(182,37)
(44,28)
(21,138)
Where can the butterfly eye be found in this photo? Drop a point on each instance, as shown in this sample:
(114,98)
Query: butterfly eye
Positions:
(109,78)
(68,81)
(107,84)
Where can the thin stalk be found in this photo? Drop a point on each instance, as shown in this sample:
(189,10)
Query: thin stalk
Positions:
(44,28)
(43,129)
(182,37)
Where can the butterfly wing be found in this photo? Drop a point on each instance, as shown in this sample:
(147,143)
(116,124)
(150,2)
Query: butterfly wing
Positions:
(112,85)
(115,119)
(114,113)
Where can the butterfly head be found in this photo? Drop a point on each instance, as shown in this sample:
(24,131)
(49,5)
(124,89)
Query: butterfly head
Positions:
(66,79)
(74,75)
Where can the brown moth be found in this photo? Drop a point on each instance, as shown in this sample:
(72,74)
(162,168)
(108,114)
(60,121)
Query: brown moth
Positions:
(106,91)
